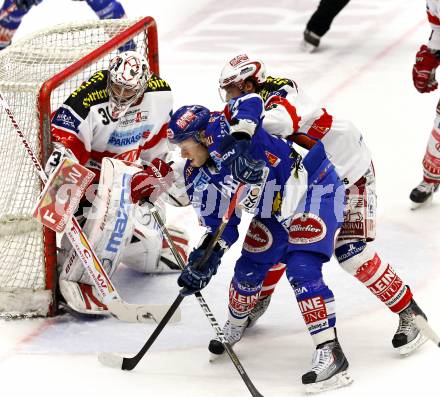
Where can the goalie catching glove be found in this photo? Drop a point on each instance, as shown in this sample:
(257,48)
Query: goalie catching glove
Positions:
(149,184)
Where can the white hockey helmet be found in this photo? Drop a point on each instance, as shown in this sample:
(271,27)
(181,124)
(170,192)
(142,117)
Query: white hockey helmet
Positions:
(127,81)
(241,68)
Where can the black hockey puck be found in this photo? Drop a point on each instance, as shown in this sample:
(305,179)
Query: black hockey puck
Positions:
(216,347)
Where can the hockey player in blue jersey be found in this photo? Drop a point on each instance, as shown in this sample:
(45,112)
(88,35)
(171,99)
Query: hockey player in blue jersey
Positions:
(296,220)
(13,11)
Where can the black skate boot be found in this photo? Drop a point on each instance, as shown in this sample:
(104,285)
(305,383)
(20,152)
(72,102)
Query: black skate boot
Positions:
(310,41)
(258,310)
(233,334)
(422,193)
(408,337)
(329,369)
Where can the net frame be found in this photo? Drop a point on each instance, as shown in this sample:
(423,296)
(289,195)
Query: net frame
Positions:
(44,108)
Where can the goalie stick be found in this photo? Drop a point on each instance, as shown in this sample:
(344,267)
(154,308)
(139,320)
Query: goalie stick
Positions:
(117,307)
(113,360)
(129,363)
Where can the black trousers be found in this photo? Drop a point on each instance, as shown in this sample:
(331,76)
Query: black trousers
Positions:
(319,23)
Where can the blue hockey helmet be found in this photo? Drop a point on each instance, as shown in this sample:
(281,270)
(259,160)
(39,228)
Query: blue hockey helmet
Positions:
(187,122)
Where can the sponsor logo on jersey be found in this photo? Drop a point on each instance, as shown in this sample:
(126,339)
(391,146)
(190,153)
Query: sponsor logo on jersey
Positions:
(201,181)
(122,217)
(64,118)
(258,237)
(273,160)
(350,250)
(94,96)
(98,76)
(133,118)
(306,228)
(124,138)
(157,84)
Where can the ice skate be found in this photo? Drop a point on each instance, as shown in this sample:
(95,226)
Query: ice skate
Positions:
(408,337)
(329,369)
(310,41)
(233,334)
(258,310)
(423,193)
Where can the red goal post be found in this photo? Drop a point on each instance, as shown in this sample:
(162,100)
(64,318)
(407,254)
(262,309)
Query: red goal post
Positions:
(37,74)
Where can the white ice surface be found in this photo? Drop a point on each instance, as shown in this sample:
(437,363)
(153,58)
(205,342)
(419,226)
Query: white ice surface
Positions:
(362,72)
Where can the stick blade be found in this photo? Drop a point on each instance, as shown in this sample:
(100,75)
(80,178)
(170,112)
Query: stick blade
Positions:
(134,313)
(110,360)
(426,329)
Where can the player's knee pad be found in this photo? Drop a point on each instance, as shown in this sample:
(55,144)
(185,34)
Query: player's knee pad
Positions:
(352,254)
(249,272)
(304,266)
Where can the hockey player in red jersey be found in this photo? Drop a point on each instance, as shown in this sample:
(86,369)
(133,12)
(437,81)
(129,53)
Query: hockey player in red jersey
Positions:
(117,117)
(289,113)
(425,66)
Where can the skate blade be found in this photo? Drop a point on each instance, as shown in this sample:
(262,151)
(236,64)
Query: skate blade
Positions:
(407,349)
(427,203)
(335,382)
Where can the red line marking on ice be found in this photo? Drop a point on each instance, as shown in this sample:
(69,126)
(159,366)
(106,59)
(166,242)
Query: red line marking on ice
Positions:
(353,77)
(27,339)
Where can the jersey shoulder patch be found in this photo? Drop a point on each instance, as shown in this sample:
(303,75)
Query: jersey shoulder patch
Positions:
(155,83)
(91,92)
(275,84)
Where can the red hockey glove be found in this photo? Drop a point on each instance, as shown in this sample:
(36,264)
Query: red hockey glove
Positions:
(150,183)
(424,70)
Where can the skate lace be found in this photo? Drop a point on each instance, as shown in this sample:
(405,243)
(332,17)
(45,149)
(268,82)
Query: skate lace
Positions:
(321,359)
(233,332)
(426,187)
(405,323)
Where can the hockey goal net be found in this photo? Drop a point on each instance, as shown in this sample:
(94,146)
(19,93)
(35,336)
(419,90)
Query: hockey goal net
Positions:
(37,73)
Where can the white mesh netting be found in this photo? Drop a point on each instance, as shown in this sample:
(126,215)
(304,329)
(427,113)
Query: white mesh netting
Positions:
(24,66)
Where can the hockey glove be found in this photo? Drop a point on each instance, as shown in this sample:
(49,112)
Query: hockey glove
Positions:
(193,280)
(424,70)
(26,5)
(150,183)
(235,154)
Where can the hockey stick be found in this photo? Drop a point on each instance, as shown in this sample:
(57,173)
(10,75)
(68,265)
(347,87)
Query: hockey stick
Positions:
(117,307)
(110,358)
(129,363)
(426,329)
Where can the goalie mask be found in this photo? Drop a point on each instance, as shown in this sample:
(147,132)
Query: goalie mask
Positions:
(127,81)
(240,69)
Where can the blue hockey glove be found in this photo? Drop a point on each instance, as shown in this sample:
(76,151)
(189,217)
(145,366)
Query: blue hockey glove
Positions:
(193,280)
(26,5)
(235,154)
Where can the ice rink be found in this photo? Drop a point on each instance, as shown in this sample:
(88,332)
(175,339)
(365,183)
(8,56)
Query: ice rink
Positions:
(361,72)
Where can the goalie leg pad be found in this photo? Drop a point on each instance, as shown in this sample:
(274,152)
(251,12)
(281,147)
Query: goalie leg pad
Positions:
(109,224)
(82,298)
